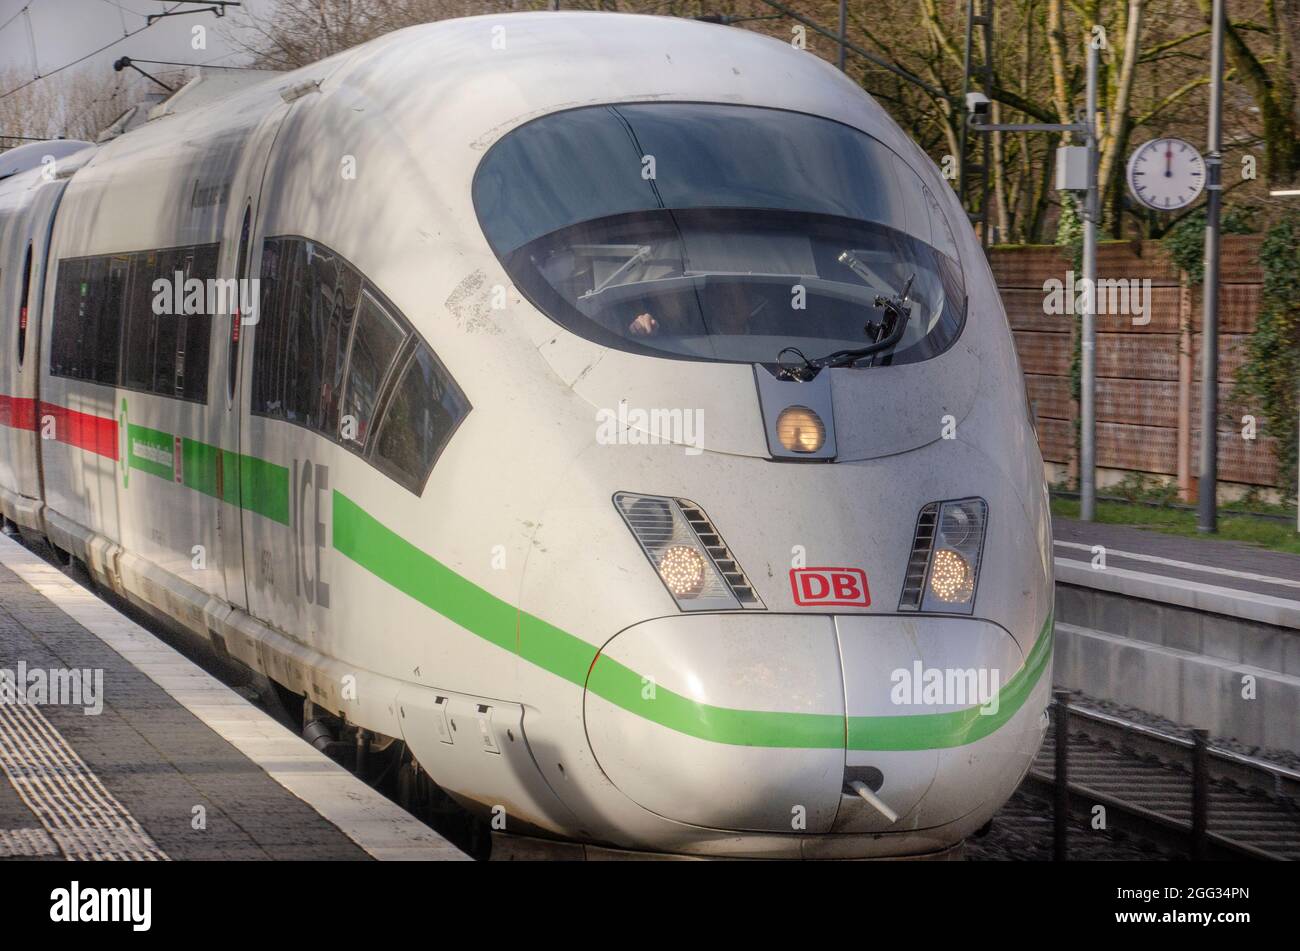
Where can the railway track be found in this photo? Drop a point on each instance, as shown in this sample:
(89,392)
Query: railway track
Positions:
(1146,780)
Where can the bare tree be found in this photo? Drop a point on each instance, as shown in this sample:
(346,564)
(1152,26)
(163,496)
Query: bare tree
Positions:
(71,105)
(298,32)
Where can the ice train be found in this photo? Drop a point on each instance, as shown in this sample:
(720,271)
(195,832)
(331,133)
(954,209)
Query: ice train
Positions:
(624,425)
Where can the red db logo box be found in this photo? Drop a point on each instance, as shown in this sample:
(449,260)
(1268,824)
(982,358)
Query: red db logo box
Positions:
(846,587)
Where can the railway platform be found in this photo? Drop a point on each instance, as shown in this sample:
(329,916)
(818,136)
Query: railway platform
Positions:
(1243,570)
(1201,632)
(114,746)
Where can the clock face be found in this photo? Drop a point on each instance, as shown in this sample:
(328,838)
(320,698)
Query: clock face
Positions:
(1166,174)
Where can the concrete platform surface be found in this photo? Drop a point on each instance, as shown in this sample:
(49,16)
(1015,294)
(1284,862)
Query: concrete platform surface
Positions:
(1205,561)
(113,746)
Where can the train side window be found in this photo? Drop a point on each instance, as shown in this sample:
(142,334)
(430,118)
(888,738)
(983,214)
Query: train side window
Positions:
(241,273)
(94,322)
(195,337)
(182,340)
(22,308)
(303,335)
(65,357)
(166,325)
(90,296)
(284,376)
(335,289)
(376,340)
(139,329)
(422,414)
(107,330)
(109,321)
(277,258)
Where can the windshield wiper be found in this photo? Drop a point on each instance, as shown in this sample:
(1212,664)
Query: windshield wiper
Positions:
(884,335)
(641,253)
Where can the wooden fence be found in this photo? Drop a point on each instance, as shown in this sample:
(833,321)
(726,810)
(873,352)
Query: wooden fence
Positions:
(1148,375)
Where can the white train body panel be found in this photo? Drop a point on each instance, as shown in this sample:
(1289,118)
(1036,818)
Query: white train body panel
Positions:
(503,620)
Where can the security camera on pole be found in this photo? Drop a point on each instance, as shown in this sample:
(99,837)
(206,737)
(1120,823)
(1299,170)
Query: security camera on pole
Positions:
(1076,170)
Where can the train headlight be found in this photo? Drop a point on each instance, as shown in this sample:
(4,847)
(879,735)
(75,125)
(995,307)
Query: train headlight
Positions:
(943,570)
(800,429)
(688,553)
(951,577)
(682,569)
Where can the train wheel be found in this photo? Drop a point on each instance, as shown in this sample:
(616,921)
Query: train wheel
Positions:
(408,785)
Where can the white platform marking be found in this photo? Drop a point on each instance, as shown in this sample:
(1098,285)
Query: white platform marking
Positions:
(374,823)
(1234,602)
(1210,569)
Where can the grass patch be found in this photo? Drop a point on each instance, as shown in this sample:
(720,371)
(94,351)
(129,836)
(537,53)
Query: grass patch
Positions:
(1263,533)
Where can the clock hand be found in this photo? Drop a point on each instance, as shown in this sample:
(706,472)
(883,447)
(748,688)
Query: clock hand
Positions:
(1169,160)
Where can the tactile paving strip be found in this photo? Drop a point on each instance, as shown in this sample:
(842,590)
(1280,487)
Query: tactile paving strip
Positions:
(26,844)
(79,815)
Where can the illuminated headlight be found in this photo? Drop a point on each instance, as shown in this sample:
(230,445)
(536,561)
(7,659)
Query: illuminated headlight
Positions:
(943,570)
(951,578)
(689,555)
(682,569)
(800,429)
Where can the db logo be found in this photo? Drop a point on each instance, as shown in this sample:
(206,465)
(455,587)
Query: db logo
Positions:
(846,586)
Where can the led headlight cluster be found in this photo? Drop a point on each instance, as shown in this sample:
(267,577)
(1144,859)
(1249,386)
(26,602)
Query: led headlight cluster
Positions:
(943,569)
(690,556)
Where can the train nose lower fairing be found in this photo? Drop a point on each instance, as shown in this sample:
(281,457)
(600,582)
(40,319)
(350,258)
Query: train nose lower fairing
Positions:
(769,723)
(849,718)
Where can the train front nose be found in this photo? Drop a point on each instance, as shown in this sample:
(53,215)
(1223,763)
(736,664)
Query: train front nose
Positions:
(764,723)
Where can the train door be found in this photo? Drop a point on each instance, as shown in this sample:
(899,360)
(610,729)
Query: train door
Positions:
(23,392)
(240,251)
(19,399)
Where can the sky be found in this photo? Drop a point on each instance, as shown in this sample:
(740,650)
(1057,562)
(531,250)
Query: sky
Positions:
(65,30)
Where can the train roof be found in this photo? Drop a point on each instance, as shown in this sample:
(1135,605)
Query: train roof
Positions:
(34,154)
(476,78)
(499,71)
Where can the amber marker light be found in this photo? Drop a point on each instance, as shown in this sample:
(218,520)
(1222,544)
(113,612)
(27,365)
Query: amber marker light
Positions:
(800,429)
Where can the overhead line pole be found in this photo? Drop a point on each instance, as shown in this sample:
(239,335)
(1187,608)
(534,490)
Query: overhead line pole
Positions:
(1091,221)
(844,30)
(1088,332)
(1293,193)
(1207,488)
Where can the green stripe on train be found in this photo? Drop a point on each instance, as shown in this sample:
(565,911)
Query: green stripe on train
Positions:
(264,489)
(388,556)
(247,481)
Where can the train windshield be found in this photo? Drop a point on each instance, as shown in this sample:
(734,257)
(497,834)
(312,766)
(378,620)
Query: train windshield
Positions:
(719,232)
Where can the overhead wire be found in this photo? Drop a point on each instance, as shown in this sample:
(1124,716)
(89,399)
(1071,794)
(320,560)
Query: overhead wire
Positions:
(80,59)
(15,16)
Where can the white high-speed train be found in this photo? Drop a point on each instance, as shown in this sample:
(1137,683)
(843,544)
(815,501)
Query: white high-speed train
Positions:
(626,427)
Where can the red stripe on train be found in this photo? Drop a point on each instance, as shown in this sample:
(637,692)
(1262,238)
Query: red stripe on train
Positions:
(17,412)
(97,434)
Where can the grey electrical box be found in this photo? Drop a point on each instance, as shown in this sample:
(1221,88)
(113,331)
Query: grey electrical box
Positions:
(1072,168)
